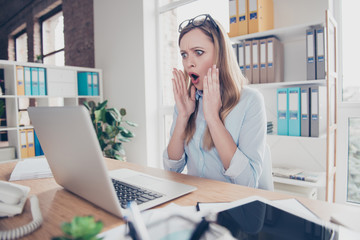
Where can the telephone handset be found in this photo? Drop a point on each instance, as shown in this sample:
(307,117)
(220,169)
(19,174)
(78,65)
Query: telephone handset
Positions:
(12,200)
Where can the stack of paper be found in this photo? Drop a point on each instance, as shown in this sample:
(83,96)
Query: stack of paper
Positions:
(297,174)
(285,172)
(31,168)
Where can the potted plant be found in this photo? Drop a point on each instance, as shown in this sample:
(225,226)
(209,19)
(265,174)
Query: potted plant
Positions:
(2,107)
(39,59)
(2,111)
(110,130)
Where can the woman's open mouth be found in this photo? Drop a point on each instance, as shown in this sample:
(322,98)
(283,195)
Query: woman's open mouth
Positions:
(194,78)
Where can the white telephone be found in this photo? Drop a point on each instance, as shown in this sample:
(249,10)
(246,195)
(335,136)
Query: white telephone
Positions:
(12,199)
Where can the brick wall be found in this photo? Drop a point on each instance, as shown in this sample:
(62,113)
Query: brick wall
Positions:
(78,29)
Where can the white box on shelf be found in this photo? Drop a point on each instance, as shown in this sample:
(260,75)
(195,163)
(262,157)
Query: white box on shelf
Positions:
(308,192)
(61,82)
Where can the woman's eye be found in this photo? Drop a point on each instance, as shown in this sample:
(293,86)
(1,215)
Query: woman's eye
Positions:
(199,52)
(183,55)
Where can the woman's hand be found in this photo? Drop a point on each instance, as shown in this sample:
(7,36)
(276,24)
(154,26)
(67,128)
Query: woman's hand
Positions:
(184,103)
(211,95)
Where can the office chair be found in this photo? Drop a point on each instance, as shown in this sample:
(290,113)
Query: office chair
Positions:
(266,178)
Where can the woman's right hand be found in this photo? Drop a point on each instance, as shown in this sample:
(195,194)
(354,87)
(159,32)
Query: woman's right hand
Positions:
(184,103)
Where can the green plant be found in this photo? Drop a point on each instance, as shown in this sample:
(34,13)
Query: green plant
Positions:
(2,107)
(108,124)
(39,58)
(80,228)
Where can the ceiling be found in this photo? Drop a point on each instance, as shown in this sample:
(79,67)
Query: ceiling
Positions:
(10,8)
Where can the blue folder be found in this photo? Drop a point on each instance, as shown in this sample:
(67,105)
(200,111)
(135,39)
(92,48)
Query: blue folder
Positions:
(34,81)
(95,84)
(294,99)
(38,149)
(85,83)
(42,81)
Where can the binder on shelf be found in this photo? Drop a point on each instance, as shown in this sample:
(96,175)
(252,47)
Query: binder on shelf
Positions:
(85,83)
(236,51)
(241,51)
(320,53)
(255,62)
(95,84)
(275,60)
(318,111)
(261,15)
(282,111)
(243,27)
(23,144)
(30,142)
(42,81)
(263,58)
(34,81)
(27,81)
(233,16)
(20,86)
(294,111)
(248,60)
(310,54)
(38,149)
(305,112)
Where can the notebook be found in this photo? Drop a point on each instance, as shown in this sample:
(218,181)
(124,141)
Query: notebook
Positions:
(72,150)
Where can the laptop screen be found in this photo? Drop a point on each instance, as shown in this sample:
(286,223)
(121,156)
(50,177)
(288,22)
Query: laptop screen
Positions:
(258,220)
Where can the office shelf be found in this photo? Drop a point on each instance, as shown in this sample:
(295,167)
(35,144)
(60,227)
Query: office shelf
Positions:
(61,88)
(283,34)
(308,153)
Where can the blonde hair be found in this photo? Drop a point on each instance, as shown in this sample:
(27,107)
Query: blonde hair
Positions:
(230,77)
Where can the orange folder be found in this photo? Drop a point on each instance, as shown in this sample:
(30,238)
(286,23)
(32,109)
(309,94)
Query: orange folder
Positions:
(30,142)
(23,144)
(260,15)
(20,81)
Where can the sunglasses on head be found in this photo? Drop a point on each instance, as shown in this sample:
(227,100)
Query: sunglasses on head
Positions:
(198,21)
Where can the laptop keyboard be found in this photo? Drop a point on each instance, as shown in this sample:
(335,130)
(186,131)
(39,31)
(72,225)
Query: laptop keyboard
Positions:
(126,193)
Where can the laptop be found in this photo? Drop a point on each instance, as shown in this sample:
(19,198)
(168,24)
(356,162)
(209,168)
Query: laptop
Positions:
(72,150)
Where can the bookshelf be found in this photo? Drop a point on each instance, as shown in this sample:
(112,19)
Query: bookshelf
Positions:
(313,154)
(61,90)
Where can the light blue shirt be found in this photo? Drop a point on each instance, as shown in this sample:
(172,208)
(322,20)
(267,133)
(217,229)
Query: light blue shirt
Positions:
(247,125)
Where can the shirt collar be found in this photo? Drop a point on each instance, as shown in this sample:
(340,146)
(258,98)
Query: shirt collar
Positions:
(198,94)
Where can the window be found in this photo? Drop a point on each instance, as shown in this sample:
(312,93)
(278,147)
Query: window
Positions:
(353,193)
(171,14)
(52,37)
(348,163)
(21,49)
(351,47)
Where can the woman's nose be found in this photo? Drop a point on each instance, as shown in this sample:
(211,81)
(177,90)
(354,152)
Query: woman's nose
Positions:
(190,62)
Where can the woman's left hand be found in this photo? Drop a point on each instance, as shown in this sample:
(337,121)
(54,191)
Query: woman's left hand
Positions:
(211,95)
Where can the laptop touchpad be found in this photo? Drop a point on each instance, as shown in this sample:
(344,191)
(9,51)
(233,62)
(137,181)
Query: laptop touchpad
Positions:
(144,181)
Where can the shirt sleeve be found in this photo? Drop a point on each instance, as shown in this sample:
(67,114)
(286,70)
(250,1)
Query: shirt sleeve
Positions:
(246,165)
(170,164)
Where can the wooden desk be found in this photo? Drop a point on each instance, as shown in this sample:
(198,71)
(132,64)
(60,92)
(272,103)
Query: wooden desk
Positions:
(58,205)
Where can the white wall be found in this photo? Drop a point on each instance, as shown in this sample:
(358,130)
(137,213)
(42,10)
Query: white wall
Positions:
(120,43)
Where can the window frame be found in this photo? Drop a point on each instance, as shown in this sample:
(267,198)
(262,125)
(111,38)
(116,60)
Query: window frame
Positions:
(15,37)
(346,110)
(42,19)
(164,110)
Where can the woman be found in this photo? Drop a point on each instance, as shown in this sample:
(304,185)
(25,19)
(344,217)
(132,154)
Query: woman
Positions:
(219,126)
